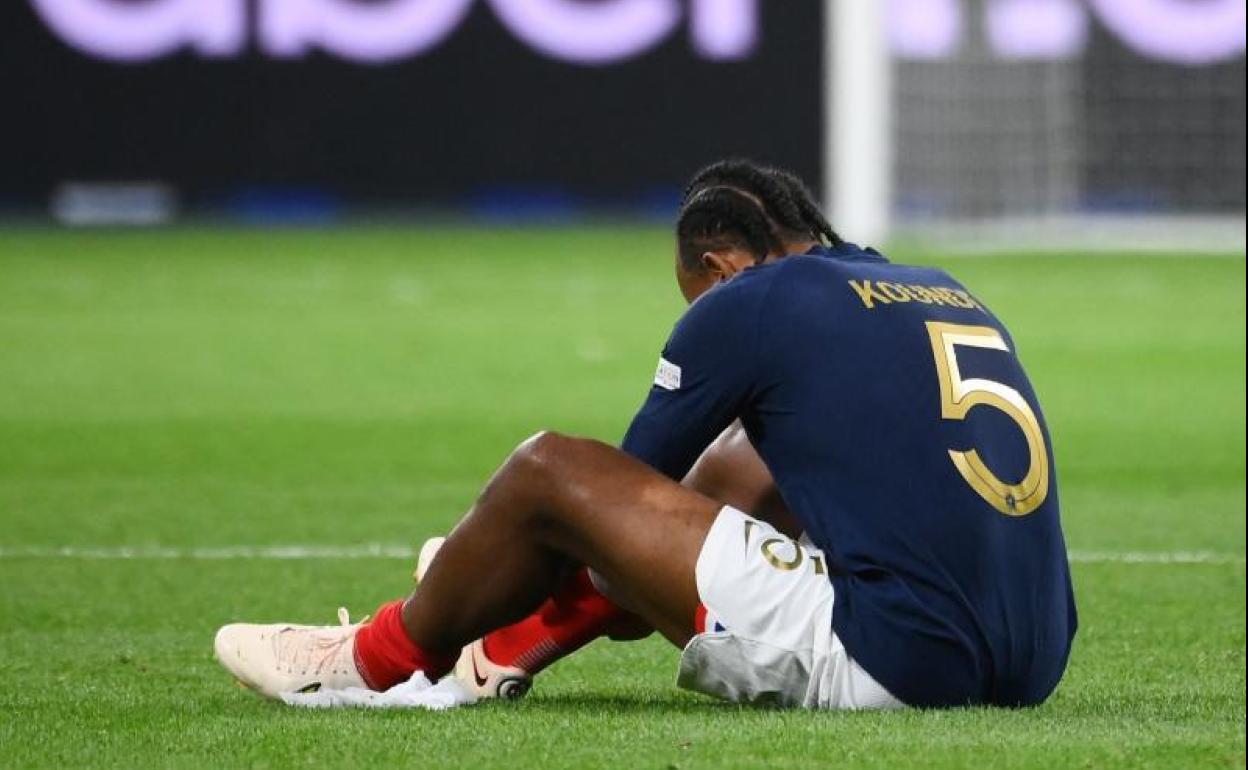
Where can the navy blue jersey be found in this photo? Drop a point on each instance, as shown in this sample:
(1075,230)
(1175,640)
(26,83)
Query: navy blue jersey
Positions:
(890,407)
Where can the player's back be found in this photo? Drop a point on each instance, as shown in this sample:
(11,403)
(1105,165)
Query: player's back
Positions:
(906,437)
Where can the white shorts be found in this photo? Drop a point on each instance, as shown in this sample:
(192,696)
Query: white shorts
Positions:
(768,625)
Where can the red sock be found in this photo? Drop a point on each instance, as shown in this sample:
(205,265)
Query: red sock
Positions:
(573,617)
(385,656)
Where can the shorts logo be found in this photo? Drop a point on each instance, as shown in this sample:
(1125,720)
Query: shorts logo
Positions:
(667,376)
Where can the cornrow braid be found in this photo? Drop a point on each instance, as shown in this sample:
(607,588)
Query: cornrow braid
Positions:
(787,202)
(812,216)
(722,217)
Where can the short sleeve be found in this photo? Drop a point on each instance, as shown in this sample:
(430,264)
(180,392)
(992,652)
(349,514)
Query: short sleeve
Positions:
(704,380)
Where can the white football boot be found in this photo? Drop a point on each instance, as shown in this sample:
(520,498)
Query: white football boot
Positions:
(476,673)
(286,658)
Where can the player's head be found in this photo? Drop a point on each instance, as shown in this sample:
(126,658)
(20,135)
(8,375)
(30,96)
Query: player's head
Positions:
(736,213)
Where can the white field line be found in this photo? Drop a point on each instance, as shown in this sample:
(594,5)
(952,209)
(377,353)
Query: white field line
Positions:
(394,551)
(222,553)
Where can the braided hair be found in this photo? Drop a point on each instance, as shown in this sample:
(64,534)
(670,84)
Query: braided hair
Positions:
(787,207)
(721,217)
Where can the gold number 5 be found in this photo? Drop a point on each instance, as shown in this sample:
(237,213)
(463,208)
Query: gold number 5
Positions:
(959,396)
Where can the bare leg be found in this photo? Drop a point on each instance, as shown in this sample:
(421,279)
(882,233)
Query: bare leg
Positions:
(729,471)
(556,503)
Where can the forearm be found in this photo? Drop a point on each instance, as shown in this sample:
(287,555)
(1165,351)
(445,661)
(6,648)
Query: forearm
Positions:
(731,471)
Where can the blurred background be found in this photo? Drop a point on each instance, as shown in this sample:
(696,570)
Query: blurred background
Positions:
(967,122)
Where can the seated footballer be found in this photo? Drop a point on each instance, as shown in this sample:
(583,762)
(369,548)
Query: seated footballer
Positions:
(868,517)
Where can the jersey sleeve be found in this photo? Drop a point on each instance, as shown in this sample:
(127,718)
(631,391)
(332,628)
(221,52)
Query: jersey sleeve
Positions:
(705,379)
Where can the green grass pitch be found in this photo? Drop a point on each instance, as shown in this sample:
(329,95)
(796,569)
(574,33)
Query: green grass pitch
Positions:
(206,388)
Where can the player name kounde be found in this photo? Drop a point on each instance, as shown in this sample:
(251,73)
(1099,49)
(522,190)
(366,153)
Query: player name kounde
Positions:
(874,293)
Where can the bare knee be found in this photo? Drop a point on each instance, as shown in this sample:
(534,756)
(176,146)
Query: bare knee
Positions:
(540,456)
(531,472)
(546,468)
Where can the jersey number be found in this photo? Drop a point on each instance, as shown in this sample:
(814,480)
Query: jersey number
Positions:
(959,396)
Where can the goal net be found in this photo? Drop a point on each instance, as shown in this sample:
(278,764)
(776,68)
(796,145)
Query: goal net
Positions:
(1041,123)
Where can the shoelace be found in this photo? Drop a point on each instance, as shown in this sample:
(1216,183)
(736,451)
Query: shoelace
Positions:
(344,619)
(315,649)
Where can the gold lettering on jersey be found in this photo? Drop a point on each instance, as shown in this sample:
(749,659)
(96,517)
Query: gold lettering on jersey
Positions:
(867,294)
(966,297)
(894,292)
(878,293)
(921,294)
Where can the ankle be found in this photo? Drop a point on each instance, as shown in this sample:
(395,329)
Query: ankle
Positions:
(576,615)
(386,656)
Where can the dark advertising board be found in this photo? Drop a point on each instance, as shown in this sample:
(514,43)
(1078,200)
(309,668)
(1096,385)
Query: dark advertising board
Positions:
(448,102)
(425,100)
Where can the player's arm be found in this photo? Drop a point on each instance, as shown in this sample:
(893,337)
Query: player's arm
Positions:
(731,471)
(706,379)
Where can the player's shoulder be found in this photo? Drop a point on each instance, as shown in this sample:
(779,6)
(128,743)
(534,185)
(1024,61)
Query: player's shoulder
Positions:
(795,281)
(732,307)
(828,263)
(848,263)
(814,274)
(733,295)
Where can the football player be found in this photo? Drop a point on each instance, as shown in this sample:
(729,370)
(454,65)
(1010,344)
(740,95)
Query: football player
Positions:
(883,412)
